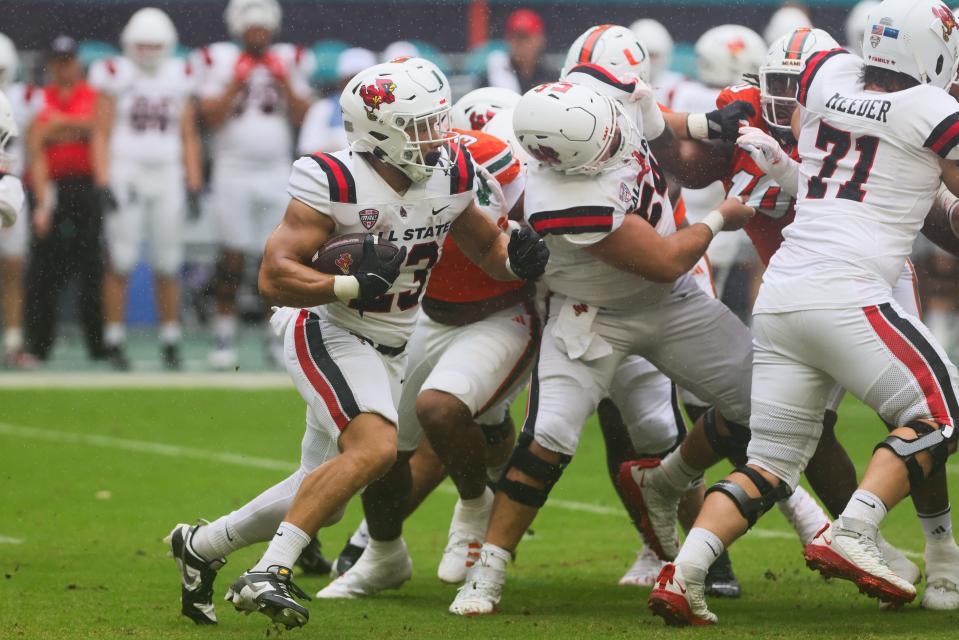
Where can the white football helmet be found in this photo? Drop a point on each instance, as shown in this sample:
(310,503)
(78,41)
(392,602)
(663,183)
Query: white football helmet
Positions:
(919,38)
(779,74)
(399,49)
(394,109)
(149,38)
(574,130)
(727,52)
(241,15)
(8,131)
(856,24)
(785,20)
(9,61)
(478,107)
(615,48)
(658,43)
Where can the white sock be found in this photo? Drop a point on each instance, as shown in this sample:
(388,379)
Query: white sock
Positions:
(170,333)
(285,547)
(677,473)
(381,548)
(12,339)
(495,557)
(361,537)
(480,503)
(217,540)
(114,334)
(698,553)
(224,327)
(866,507)
(937,526)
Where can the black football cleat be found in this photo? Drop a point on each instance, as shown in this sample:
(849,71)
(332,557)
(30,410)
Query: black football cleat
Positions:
(347,558)
(311,562)
(170,355)
(196,575)
(721,582)
(272,593)
(116,356)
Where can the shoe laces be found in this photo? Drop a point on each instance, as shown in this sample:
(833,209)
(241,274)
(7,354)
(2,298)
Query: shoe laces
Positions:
(287,587)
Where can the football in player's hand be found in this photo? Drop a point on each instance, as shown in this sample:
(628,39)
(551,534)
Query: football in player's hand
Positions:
(340,256)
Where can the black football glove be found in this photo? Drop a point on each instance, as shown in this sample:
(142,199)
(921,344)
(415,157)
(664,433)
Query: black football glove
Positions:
(724,123)
(193,206)
(106,201)
(374,275)
(527,253)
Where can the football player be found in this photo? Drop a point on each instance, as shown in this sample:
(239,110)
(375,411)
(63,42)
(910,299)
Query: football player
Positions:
(253,92)
(875,137)
(406,181)
(659,45)
(11,189)
(146,158)
(25,101)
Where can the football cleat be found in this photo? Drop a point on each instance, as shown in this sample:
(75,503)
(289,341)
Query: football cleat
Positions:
(223,356)
(311,561)
(272,593)
(348,557)
(804,514)
(644,571)
(898,562)
(116,356)
(847,550)
(720,580)
(641,481)
(942,576)
(467,531)
(678,602)
(482,590)
(196,575)
(369,576)
(170,355)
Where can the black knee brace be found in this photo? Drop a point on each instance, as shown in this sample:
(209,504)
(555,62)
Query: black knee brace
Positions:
(524,460)
(929,439)
(496,433)
(749,507)
(732,446)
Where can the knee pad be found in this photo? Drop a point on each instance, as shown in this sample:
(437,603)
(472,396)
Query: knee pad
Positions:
(732,446)
(524,460)
(751,508)
(497,433)
(929,439)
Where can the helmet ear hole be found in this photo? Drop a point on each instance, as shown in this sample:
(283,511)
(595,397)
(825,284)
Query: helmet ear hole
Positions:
(939,64)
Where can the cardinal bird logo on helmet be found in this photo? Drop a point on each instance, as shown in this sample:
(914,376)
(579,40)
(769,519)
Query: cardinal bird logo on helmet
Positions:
(478,120)
(948,20)
(380,92)
(547,155)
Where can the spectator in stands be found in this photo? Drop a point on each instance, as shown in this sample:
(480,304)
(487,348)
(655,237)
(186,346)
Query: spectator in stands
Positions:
(67,217)
(523,67)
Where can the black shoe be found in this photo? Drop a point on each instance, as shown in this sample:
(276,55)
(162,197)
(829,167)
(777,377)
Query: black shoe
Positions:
(347,558)
(117,358)
(721,582)
(171,357)
(272,593)
(196,575)
(311,562)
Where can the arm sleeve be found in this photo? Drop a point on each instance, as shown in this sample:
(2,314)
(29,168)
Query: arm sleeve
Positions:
(308,184)
(944,136)
(11,194)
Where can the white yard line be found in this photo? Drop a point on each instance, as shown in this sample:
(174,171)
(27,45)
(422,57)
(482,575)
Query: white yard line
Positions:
(112,380)
(9,540)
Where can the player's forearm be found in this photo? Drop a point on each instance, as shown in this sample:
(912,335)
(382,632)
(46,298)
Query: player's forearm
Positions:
(494,261)
(942,224)
(298,106)
(286,282)
(192,162)
(216,111)
(682,250)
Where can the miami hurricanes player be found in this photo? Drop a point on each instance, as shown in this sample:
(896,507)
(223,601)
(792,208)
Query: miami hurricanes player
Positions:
(470,355)
(253,93)
(146,158)
(876,136)
(404,180)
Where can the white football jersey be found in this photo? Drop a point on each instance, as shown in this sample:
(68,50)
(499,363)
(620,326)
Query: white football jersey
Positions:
(322,128)
(148,108)
(11,194)
(690,96)
(665,85)
(574,212)
(259,130)
(345,187)
(869,173)
(26,101)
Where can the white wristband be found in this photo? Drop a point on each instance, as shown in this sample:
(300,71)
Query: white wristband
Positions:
(715,221)
(698,126)
(346,288)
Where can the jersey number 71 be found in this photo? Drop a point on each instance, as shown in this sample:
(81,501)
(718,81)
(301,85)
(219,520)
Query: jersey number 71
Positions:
(838,143)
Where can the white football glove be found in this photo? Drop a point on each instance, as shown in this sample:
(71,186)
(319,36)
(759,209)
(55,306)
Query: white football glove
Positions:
(497,198)
(653,122)
(770,157)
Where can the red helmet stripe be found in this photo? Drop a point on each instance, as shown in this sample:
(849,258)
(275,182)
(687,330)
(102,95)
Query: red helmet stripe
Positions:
(796,44)
(586,53)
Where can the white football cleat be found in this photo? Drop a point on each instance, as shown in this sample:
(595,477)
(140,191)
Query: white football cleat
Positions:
(644,571)
(678,602)
(659,504)
(942,576)
(222,358)
(804,514)
(483,589)
(898,562)
(847,549)
(467,531)
(371,574)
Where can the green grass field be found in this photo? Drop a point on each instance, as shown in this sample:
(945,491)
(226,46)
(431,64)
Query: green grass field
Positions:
(92,480)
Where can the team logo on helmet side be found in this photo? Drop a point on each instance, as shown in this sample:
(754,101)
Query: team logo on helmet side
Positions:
(479,120)
(344,261)
(948,20)
(380,92)
(545,154)
(736,46)
(368,217)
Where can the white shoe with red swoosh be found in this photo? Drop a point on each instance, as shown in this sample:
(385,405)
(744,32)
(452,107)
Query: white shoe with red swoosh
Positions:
(643,483)
(678,602)
(847,549)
